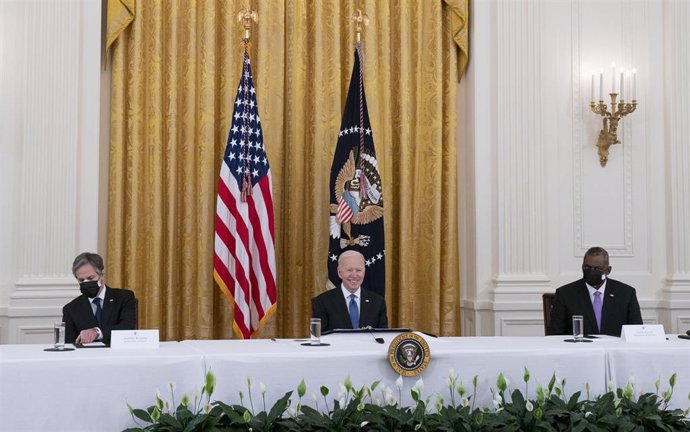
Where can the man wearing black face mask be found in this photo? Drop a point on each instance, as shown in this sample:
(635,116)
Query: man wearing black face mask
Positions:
(100,309)
(605,304)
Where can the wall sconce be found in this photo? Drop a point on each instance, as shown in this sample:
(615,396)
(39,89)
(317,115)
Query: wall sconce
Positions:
(609,132)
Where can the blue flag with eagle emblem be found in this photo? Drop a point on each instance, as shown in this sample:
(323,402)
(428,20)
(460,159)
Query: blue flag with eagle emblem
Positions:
(356,205)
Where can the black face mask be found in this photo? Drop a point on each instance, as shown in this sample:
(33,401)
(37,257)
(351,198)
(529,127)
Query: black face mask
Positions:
(89,288)
(593,277)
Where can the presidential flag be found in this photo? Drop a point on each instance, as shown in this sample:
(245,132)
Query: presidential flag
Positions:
(356,206)
(244,262)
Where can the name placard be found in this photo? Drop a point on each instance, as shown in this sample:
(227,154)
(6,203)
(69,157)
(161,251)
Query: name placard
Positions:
(134,339)
(643,333)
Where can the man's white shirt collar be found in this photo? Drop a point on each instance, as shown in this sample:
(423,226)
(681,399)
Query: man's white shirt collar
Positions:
(347,293)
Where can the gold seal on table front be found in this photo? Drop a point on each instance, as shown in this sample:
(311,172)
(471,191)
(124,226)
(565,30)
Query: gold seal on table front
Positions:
(409,354)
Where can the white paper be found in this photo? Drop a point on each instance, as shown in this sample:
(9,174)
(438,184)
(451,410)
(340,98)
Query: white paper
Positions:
(643,333)
(134,339)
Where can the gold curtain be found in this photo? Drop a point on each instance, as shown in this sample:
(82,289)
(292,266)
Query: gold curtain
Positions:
(175,72)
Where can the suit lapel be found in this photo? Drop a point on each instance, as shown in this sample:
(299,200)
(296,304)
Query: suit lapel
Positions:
(586,305)
(108,303)
(364,309)
(87,311)
(608,304)
(341,307)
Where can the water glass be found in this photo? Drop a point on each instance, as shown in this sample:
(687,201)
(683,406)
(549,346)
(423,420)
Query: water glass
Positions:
(59,335)
(578,328)
(315,331)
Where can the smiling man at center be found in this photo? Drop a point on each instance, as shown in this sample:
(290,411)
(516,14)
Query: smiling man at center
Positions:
(350,306)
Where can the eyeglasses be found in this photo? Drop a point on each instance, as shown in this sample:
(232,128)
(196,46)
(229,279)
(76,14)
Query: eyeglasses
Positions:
(601,269)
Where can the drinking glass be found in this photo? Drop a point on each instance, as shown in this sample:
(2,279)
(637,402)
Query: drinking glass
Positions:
(59,335)
(315,331)
(578,328)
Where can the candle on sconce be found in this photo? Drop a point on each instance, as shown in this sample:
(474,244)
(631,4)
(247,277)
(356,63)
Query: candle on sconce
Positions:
(613,78)
(634,87)
(601,84)
(622,86)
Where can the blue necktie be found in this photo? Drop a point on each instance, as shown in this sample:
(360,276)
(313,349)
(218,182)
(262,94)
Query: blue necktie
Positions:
(99,310)
(354,311)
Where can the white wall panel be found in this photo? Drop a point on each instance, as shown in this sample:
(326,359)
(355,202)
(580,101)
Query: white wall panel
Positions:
(530,147)
(53,148)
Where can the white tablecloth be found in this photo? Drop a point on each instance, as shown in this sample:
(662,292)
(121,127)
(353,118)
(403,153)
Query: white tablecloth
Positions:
(283,363)
(86,389)
(645,363)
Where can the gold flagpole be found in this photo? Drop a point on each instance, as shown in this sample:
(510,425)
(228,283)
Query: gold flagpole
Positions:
(360,19)
(246,16)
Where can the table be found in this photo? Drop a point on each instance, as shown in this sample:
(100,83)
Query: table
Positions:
(282,364)
(645,363)
(86,389)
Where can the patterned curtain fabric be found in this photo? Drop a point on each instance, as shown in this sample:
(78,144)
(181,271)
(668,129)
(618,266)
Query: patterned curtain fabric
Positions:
(174,72)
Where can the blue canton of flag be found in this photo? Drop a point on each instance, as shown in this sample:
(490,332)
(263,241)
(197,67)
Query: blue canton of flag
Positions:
(245,153)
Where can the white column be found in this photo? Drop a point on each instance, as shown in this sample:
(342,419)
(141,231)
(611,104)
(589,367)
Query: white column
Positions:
(521,147)
(676,293)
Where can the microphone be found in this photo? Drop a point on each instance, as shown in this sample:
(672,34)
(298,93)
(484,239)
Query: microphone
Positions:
(377,339)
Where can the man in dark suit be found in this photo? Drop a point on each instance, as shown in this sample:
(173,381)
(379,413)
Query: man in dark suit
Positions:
(100,309)
(349,306)
(605,304)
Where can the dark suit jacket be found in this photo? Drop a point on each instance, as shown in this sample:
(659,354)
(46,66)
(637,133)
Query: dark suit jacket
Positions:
(331,307)
(118,314)
(619,307)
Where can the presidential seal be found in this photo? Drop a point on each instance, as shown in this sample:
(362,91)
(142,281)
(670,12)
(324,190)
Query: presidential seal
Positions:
(409,354)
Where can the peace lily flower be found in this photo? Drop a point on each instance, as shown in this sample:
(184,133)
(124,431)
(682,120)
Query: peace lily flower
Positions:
(464,401)
(185,400)
(248,382)
(610,386)
(172,386)
(498,400)
(502,382)
(348,383)
(390,398)
(160,403)
(262,388)
(207,408)
(439,402)
(419,386)
(529,406)
(399,382)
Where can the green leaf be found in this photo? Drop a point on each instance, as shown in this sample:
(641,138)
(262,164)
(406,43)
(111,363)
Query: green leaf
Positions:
(279,408)
(525,375)
(142,415)
(247,416)
(375,384)
(324,391)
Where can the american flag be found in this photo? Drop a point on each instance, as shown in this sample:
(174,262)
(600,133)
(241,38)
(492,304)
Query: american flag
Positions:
(244,263)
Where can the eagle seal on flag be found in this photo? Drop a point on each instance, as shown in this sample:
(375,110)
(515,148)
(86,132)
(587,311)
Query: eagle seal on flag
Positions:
(360,200)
